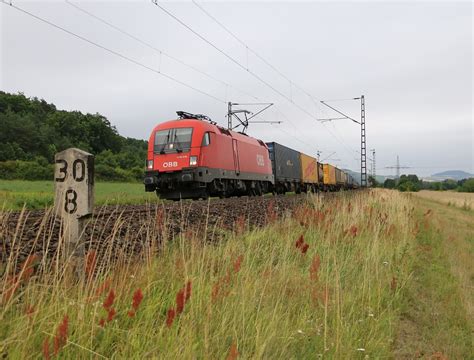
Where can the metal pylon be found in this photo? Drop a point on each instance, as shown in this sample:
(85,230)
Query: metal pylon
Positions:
(363,145)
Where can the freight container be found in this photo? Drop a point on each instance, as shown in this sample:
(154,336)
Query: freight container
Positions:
(320,173)
(344,178)
(339,177)
(286,166)
(329,175)
(309,169)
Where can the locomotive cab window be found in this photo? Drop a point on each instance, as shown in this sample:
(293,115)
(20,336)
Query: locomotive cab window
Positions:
(173,140)
(206,139)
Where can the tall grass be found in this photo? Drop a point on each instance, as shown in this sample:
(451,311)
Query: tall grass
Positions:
(324,281)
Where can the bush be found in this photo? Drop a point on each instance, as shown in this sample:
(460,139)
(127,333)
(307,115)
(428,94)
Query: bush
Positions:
(467,186)
(408,186)
(26,170)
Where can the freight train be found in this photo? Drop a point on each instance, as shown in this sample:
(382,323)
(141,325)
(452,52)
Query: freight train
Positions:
(193,157)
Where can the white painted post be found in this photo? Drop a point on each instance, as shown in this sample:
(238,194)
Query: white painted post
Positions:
(74,198)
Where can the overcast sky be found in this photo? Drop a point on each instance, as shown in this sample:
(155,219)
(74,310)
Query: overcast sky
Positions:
(412,61)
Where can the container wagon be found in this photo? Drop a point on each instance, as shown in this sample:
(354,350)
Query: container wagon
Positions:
(286,166)
(309,173)
(329,177)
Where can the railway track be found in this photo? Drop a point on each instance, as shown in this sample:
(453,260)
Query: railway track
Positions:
(130,228)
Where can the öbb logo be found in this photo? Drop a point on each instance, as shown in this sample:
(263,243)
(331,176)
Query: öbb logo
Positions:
(169,164)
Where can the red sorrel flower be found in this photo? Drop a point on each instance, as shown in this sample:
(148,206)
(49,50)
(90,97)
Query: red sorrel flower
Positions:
(304,248)
(393,284)
(28,267)
(180,301)
(90,263)
(170,317)
(137,299)
(215,291)
(237,263)
(46,352)
(188,291)
(110,314)
(353,230)
(233,353)
(314,269)
(299,243)
(105,286)
(102,322)
(109,300)
(61,335)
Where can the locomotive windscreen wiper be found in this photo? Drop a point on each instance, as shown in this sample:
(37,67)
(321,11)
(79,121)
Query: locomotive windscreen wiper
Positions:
(175,140)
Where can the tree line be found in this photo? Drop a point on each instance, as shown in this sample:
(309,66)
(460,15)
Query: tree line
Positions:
(413,183)
(33,131)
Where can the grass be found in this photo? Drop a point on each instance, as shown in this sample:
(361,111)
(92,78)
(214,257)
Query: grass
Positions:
(14,194)
(437,314)
(462,200)
(332,280)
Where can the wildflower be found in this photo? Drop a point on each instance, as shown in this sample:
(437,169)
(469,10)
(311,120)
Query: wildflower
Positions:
(137,299)
(215,291)
(188,292)
(299,243)
(46,352)
(360,349)
(102,322)
(304,249)
(353,230)
(61,335)
(393,284)
(131,313)
(314,269)
(180,301)
(109,300)
(110,314)
(28,267)
(104,287)
(300,331)
(90,263)
(170,317)
(237,263)
(233,353)
(29,310)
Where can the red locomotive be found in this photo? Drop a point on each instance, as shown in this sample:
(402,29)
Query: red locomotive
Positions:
(192,157)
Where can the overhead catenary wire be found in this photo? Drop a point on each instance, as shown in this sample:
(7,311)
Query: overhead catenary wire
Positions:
(243,67)
(127,58)
(159,51)
(265,61)
(113,52)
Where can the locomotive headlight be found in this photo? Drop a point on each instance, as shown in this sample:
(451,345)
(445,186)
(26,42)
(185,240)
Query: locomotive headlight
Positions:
(149,164)
(193,160)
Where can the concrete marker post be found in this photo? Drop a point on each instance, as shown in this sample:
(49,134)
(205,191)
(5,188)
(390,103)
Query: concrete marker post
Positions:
(74,201)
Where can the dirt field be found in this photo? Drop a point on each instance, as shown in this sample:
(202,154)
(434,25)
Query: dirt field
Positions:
(459,199)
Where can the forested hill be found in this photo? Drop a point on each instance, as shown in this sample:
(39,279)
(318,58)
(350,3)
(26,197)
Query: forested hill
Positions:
(32,131)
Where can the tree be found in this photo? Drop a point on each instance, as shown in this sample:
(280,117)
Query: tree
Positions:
(33,131)
(467,186)
(389,184)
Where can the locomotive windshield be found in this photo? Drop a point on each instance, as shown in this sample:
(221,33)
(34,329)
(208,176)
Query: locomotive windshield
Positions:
(173,140)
